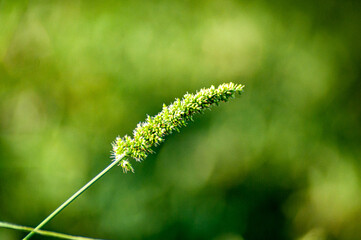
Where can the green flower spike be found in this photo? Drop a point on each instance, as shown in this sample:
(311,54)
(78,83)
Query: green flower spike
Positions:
(151,133)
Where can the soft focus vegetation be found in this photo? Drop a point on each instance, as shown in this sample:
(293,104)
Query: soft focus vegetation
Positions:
(280,162)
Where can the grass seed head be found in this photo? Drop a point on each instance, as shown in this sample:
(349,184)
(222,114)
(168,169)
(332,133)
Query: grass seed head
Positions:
(152,132)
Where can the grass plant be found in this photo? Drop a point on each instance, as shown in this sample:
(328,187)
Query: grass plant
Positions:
(152,132)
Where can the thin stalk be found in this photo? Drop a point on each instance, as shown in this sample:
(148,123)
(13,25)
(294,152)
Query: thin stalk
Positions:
(43,232)
(74,196)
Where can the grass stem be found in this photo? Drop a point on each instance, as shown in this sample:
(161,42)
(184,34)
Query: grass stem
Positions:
(43,232)
(73,197)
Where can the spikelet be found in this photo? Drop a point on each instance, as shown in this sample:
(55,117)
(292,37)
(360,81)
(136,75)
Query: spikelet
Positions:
(152,132)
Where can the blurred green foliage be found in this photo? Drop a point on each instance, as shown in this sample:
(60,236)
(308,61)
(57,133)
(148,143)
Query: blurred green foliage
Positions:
(281,162)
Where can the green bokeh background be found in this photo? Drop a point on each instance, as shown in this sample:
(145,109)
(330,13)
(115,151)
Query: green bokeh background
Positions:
(280,162)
